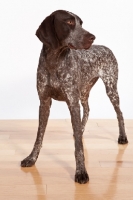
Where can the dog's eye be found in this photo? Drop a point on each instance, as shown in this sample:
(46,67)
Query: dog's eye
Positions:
(70,22)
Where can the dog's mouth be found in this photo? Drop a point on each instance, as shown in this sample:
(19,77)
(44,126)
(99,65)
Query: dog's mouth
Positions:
(88,46)
(85,46)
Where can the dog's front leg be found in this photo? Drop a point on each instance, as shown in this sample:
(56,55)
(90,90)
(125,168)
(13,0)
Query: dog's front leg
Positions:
(81,175)
(43,118)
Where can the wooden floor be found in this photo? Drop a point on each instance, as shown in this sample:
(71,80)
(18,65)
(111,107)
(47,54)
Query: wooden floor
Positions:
(110,166)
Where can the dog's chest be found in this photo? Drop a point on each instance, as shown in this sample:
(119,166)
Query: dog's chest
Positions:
(54,81)
(56,91)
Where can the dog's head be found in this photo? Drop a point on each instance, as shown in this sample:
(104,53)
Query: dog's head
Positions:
(64,28)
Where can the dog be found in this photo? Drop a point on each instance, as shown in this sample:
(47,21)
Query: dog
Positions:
(69,66)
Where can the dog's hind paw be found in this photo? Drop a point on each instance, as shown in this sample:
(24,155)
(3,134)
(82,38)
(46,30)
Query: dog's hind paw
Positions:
(28,162)
(122,140)
(81,178)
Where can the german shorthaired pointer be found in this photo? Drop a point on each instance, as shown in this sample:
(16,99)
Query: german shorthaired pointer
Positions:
(68,68)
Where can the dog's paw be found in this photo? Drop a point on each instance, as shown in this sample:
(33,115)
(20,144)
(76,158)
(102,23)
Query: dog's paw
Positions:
(122,140)
(28,162)
(81,178)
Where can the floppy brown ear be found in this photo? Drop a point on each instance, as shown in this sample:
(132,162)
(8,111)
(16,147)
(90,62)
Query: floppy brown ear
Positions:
(46,33)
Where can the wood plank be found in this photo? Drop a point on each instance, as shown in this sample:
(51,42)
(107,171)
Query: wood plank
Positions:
(22,189)
(116,163)
(70,197)
(90,188)
(109,165)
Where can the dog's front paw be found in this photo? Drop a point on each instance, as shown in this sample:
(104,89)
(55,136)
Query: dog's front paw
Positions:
(81,177)
(28,162)
(122,140)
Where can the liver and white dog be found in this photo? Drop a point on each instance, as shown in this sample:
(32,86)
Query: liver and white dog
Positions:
(69,66)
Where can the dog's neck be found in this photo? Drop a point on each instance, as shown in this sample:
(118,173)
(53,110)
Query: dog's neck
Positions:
(54,56)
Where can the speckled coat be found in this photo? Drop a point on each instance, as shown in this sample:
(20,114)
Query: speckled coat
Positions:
(69,66)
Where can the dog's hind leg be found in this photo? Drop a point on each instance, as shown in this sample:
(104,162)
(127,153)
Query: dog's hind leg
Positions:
(44,110)
(84,101)
(111,90)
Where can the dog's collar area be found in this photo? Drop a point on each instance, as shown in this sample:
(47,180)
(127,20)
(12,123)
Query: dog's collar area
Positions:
(71,46)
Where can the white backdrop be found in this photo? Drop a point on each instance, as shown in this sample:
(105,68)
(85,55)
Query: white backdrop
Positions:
(110,21)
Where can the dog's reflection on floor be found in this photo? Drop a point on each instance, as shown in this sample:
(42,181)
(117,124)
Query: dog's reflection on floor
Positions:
(40,188)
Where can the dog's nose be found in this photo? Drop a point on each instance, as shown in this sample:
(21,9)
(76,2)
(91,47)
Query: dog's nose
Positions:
(92,37)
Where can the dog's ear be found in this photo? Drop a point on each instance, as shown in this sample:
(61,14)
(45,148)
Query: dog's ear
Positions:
(46,33)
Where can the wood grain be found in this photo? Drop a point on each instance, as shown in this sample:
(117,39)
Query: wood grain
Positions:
(110,166)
